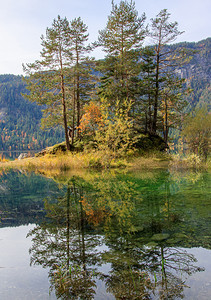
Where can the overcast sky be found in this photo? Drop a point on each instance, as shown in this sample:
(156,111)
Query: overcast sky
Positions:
(22,22)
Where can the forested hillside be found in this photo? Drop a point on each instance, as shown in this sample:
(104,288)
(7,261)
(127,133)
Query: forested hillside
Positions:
(197,75)
(20,119)
(198,72)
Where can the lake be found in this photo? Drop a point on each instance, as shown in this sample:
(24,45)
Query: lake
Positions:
(12,155)
(105,235)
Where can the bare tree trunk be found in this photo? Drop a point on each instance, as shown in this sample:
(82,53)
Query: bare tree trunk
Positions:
(64,113)
(165,127)
(154,122)
(78,106)
(73,120)
(146,122)
(78,101)
(64,101)
(150,114)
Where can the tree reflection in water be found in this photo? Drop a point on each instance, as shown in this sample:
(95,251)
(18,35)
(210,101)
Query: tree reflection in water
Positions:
(98,223)
(61,244)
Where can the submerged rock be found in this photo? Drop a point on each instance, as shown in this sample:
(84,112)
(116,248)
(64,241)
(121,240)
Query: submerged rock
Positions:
(160,237)
(151,245)
(173,241)
(180,235)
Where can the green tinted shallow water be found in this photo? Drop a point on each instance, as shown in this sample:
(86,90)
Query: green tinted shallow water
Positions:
(143,235)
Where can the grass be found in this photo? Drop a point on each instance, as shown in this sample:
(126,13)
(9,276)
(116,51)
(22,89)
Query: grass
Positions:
(92,159)
(63,161)
(151,160)
(190,161)
(60,162)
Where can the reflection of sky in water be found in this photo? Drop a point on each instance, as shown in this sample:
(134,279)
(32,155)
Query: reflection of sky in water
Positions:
(101,293)
(200,282)
(19,281)
(173,213)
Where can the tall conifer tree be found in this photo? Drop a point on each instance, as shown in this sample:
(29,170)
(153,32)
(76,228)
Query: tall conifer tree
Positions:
(121,40)
(146,90)
(47,78)
(82,65)
(167,59)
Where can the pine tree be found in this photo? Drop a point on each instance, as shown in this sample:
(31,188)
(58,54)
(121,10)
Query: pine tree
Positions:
(47,79)
(146,90)
(172,105)
(166,58)
(82,78)
(121,40)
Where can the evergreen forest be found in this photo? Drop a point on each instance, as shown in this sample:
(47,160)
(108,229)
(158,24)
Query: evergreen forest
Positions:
(20,119)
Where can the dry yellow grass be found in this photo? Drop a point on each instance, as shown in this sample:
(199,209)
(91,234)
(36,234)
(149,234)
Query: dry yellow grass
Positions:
(69,161)
(56,162)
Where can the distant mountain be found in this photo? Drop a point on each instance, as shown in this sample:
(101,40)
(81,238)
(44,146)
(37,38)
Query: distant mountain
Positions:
(198,72)
(20,119)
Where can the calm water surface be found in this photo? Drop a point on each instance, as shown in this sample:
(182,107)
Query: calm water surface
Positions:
(12,155)
(143,235)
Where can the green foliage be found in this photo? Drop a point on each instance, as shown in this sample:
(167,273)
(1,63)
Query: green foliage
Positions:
(47,79)
(95,163)
(71,281)
(166,60)
(116,133)
(121,40)
(197,131)
(124,30)
(82,78)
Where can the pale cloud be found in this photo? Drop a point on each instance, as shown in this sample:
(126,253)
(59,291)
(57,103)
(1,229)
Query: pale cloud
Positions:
(22,22)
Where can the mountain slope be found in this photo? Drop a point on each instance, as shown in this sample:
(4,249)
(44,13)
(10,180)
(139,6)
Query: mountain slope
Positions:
(198,72)
(20,119)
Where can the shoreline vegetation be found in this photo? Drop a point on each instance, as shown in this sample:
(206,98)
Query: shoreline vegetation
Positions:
(57,160)
(64,161)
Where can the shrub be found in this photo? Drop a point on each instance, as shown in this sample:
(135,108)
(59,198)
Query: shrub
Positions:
(95,162)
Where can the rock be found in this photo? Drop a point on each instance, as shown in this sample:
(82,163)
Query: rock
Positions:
(160,237)
(53,149)
(173,241)
(22,156)
(151,245)
(180,235)
(41,153)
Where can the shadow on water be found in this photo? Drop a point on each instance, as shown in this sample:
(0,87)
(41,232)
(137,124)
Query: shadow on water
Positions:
(123,235)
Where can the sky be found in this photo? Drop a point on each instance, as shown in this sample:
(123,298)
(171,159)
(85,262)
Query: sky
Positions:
(23,22)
